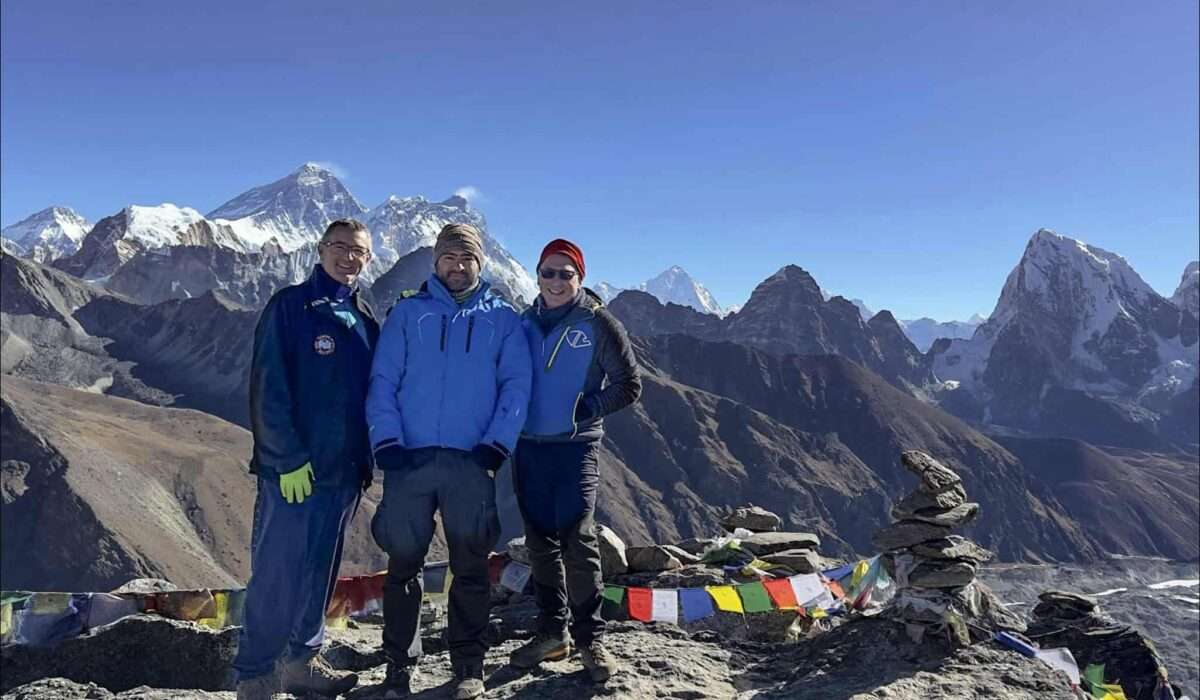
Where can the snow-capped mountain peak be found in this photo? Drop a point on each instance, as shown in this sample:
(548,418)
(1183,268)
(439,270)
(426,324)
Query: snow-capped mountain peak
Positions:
(401,225)
(294,210)
(159,226)
(49,234)
(1076,317)
(675,285)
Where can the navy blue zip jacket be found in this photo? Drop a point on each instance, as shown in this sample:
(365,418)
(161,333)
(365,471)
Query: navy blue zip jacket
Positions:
(571,363)
(447,375)
(308,380)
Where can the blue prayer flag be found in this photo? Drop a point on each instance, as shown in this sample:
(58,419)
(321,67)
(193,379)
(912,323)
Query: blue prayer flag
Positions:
(696,604)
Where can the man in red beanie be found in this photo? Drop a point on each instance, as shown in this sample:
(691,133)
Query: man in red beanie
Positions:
(584,369)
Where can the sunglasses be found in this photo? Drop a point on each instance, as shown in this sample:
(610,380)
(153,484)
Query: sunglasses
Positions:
(564,275)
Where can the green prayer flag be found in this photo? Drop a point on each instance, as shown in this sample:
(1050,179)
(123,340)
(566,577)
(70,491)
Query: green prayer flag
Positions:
(614,593)
(1094,674)
(755,597)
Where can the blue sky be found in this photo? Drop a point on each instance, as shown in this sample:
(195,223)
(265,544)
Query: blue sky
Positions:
(901,152)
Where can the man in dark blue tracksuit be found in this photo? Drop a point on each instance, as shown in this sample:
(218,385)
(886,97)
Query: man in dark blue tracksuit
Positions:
(449,392)
(583,369)
(308,380)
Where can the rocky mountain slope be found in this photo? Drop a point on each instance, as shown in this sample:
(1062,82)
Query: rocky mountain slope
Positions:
(97,490)
(814,439)
(788,314)
(1078,345)
(46,235)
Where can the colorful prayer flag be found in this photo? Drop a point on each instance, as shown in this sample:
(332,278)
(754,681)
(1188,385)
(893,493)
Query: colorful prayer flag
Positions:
(780,590)
(665,605)
(515,576)
(754,597)
(641,603)
(726,598)
(807,588)
(697,604)
(860,570)
(615,594)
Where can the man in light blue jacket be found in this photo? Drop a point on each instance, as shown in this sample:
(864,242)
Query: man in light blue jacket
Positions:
(449,390)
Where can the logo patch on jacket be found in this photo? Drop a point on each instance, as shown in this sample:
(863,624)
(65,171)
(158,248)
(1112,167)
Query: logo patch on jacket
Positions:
(578,339)
(324,345)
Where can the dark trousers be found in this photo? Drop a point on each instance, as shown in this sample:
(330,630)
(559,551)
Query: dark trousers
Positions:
(556,486)
(295,551)
(449,481)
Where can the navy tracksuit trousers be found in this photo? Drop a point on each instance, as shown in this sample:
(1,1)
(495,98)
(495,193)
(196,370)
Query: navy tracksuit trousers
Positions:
(556,486)
(295,551)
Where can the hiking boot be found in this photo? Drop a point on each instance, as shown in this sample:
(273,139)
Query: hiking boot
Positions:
(313,676)
(470,681)
(544,647)
(261,688)
(398,683)
(599,663)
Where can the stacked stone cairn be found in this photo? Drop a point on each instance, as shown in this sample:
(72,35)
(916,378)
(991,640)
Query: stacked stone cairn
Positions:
(1064,619)
(934,570)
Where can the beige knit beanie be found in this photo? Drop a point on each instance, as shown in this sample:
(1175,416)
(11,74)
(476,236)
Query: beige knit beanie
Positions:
(461,236)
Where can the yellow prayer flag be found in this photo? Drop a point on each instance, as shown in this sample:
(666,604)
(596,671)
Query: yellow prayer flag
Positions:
(726,598)
(860,570)
(1113,692)
(5,619)
(817,613)
(221,603)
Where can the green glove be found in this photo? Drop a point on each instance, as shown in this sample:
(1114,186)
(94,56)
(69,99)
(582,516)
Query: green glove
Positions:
(297,485)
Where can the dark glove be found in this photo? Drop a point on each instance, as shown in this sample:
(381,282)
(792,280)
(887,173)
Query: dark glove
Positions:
(392,458)
(583,412)
(490,457)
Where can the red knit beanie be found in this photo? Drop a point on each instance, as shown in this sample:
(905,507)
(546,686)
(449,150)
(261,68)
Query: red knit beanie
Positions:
(562,246)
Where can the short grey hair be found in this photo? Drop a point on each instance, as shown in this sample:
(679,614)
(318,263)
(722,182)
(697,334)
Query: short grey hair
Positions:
(354,226)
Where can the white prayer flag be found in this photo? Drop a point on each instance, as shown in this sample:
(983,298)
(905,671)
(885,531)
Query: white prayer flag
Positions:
(808,588)
(664,606)
(515,576)
(1062,659)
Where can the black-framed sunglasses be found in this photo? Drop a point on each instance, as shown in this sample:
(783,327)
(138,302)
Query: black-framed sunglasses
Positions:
(564,274)
(355,252)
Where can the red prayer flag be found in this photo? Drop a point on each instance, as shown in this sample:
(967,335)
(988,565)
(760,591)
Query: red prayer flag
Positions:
(781,593)
(641,602)
(836,589)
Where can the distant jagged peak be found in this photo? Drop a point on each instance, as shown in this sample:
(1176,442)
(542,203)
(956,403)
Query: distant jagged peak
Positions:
(788,280)
(456,201)
(1187,294)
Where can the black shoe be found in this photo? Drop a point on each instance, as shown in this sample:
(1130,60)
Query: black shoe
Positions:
(398,682)
(469,681)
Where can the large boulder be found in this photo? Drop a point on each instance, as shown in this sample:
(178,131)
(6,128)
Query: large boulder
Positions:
(907,533)
(612,552)
(762,543)
(752,518)
(802,561)
(652,558)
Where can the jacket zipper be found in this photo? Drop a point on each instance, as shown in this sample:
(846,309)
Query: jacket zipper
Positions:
(470,329)
(561,338)
(574,408)
(443,343)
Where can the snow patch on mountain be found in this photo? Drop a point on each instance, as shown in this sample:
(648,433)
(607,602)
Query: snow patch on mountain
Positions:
(160,226)
(673,285)
(49,234)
